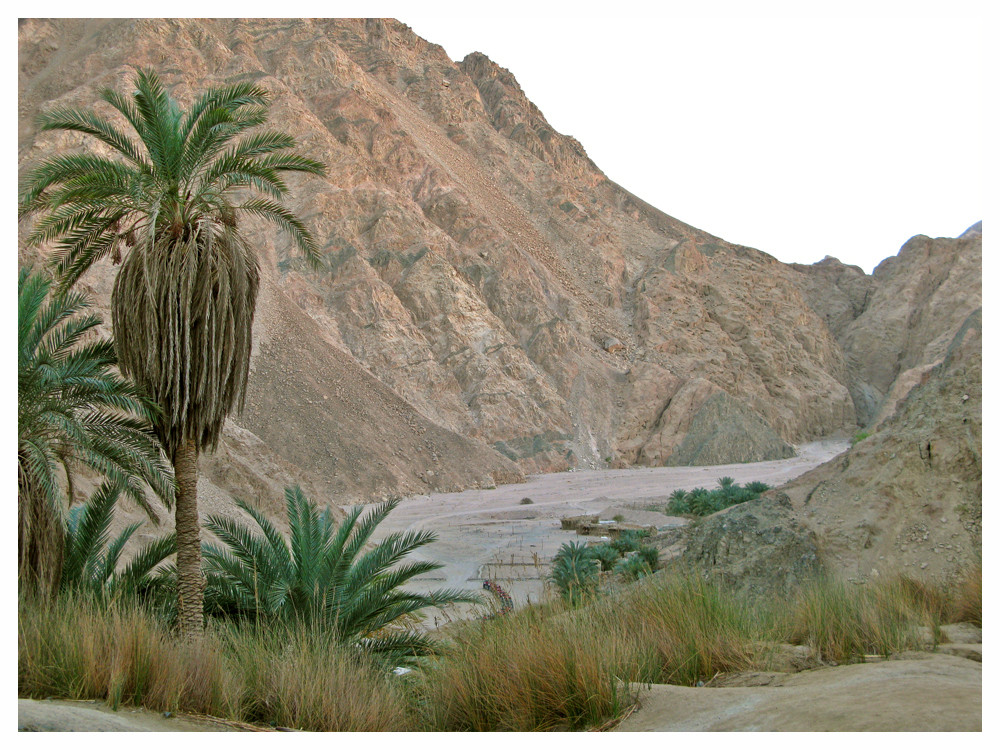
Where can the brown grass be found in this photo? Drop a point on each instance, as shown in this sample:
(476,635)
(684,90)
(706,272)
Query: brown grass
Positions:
(75,649)
(966,604)
(546,667)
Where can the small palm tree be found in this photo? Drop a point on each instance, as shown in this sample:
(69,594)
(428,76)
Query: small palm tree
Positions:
(91,559)
(182,305)
(73,410)
(574,571)
(322,576)
(679,502)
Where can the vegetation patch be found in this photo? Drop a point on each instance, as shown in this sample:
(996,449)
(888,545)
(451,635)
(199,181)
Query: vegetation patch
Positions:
(703,502)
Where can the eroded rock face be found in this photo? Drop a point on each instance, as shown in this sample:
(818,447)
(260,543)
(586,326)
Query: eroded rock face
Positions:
(479,264)
(757,548)
(908,499)
(896,323)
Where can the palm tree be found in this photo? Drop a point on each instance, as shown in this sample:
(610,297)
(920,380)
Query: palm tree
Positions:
(183,302)
(73,410)
(322,576)
(90,561)
(575,571)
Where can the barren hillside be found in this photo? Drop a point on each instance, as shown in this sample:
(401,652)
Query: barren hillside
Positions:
(491,304)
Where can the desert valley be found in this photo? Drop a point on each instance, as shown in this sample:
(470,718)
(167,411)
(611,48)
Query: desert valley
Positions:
(527,361)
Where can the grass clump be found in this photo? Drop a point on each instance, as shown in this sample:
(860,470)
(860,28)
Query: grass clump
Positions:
(543,668)
(75,648)
(845,622)
(966,603)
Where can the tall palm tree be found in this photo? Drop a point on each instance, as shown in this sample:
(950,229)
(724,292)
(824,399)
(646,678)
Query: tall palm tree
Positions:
(73,410)
(322,576)
(183,302)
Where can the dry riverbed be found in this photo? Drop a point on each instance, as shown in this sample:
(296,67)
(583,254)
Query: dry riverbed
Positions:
(495,534)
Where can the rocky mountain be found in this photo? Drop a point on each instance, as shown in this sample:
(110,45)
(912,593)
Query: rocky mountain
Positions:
(907,499)
(491,303)
(895,324)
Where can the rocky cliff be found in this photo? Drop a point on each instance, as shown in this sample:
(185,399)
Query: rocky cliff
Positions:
(491,303)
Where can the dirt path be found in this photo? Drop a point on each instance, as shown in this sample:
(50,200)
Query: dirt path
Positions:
(491,534)
(96,716)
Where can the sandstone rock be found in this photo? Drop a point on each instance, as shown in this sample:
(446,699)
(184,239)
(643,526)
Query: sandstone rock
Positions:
(961,632)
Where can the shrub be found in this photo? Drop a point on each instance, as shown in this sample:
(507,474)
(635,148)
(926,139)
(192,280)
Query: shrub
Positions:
(574,571)
(606,555)
(526,501)
(859,436)
(323,575)
(679,504)
(633,567)
(627,541)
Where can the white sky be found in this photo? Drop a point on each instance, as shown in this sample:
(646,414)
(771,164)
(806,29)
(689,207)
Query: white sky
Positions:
(802,137)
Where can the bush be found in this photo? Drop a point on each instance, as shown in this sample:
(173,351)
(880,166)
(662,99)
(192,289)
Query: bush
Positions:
(606,555)
(633,567)
(574,571)
(703,502)
(679,504)
(627,541)
(859,436)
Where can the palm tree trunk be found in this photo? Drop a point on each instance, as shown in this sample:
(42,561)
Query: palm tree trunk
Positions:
(190,582)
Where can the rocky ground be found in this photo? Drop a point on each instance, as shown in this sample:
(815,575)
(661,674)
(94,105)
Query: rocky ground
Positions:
(916,692)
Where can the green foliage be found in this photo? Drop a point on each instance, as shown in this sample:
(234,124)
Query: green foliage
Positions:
(679,504)
(859,436)
(703,502)
(606,555)
(574,571)
(322,576)
(649,555)
(633,567)
(173,171)
(73,411)
(90,561)
(627,541)
(167,206)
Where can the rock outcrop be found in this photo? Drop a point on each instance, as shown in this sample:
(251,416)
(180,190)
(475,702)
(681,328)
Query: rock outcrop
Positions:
(898,322)
(908,499)
(757,548)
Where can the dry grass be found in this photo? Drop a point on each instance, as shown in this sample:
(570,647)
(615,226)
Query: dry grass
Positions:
(546,667)
(534,670)
(966,604)
(122,655)
(844,621)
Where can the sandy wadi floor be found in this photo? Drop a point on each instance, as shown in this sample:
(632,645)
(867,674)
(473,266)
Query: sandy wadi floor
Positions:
(490,534)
